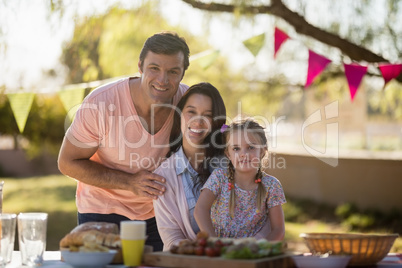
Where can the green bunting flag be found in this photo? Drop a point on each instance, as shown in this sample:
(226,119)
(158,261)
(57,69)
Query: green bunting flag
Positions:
(206,58)
(21,105)
(254,44)
(70,99)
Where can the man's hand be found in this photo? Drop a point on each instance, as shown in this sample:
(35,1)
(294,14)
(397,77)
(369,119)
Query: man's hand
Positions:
(74,162)
(148,184)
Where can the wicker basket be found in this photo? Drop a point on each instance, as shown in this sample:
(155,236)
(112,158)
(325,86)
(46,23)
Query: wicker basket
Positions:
(366,249)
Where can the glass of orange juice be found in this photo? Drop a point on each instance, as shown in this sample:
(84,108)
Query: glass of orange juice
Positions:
(133,236)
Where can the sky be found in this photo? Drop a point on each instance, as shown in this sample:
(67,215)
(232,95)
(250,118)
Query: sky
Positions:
(34,42)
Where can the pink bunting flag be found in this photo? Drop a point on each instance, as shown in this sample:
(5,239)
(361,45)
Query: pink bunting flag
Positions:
(354,74)
(316,64)
(389,71)
(280,38)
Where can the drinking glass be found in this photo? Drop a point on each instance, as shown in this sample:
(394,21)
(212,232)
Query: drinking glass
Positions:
(7,222)
(133,236)
(1,196)
(32,237)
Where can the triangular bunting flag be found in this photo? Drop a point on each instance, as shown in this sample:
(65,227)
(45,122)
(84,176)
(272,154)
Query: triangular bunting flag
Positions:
(70,98)
(316,64)
(206,58)
(21,105)
(354,74)
(280,38)
(254,44)
(389,71)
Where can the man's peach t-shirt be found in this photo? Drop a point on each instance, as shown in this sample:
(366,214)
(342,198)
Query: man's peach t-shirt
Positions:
(107,119)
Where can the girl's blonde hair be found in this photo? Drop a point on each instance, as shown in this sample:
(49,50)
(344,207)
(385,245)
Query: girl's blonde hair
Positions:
(251,126)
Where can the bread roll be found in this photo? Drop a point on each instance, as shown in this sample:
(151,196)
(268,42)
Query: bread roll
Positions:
(94,236)
(102,234)
(112,240)
(105,227)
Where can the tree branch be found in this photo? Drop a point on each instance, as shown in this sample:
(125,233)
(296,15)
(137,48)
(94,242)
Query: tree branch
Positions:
(278,9)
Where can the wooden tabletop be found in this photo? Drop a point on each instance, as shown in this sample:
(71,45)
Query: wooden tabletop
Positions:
(52,259)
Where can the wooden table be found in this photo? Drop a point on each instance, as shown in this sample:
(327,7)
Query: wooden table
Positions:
(52,259)
(165,259)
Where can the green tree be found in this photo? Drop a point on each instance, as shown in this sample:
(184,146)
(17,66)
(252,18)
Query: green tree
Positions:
(45,125)
(109,45)
(81,55)
(112,49)
(364,31)
(7,121)
(44,129)
(366,36)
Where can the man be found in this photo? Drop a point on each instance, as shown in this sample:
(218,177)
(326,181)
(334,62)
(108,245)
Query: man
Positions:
(120,135)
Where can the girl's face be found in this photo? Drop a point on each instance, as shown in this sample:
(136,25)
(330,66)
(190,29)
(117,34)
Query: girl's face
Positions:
(196,119)
(245,151)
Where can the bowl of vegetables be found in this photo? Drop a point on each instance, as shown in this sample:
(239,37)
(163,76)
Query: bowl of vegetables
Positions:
(229,248)
(252,249)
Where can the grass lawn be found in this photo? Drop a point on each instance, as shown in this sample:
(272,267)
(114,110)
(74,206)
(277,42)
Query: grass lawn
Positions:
(55,194)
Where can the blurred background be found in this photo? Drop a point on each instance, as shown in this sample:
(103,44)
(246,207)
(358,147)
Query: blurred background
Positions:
(338,158)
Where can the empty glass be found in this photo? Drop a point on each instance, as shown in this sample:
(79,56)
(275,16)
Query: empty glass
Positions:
(32,237)
(1,196)
(7,222)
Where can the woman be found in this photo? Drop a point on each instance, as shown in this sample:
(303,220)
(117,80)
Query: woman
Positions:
(195,140)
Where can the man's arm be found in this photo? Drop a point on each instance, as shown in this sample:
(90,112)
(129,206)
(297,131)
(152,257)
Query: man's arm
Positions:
(74,162)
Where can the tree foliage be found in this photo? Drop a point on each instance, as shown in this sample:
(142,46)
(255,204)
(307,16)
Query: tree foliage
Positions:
(81,55)
(45,125)
(108,45)
(44,129)
(7,121)
(363,31)
(358,43)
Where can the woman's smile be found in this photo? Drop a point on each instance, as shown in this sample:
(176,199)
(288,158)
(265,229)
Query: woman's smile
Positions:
(197,131)
(196,121)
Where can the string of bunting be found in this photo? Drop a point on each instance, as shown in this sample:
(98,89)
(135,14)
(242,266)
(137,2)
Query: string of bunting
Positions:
(317,63)
(21,102)
(72,96)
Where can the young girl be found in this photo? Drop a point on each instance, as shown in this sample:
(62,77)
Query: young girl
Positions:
(239,201)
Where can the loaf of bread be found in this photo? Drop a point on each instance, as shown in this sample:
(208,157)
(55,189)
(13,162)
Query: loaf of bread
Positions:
(78,239)
(105,227)
(94,236)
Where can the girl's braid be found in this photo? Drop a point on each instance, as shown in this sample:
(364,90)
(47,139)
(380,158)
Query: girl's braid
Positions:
(232,199)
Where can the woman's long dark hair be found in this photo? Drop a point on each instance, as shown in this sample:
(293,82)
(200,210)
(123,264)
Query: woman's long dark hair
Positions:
(214,140)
